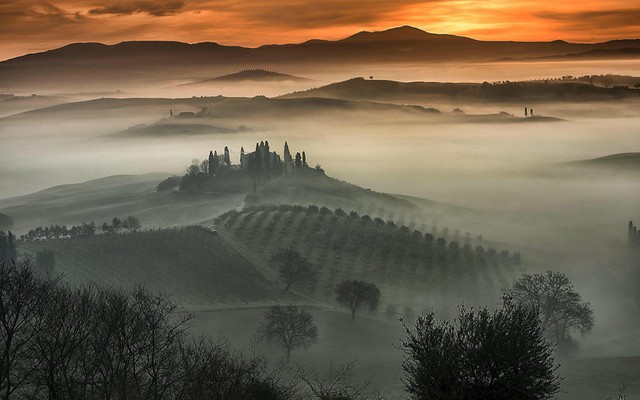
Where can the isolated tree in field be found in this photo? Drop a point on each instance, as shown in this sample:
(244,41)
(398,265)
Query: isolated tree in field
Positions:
(560,307)
(354,295)
(294,268)
(289,326)
(497,355)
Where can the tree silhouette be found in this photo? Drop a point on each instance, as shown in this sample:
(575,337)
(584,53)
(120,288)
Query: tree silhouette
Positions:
(498,355)
(294,268)
(354,294)
(288,326)
(560,307)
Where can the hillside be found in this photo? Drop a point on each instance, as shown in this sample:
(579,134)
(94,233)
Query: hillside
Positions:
(409,267)
(629,162)
(197,268)
(393,91)
(102,199)
(308,186)
(127,64)
(238,109)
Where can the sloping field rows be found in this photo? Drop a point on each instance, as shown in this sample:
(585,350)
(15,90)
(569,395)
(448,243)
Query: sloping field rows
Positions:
(196,267)
(402,261)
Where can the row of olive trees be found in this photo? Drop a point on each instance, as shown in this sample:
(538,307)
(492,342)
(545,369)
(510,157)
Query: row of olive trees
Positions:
(89,343)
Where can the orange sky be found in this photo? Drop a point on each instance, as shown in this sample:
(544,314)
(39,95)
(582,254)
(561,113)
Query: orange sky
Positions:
(36,25)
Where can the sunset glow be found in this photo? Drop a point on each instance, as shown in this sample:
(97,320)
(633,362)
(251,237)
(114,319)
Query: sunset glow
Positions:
(35,25)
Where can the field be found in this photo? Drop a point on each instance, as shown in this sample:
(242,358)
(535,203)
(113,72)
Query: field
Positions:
(197,268)
(371,342)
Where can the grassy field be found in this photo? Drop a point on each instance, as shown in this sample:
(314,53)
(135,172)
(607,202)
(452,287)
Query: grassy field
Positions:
(396,258)
(372,343)
(196,267)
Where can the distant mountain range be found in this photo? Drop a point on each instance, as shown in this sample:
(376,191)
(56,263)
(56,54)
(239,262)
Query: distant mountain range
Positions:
(92,64)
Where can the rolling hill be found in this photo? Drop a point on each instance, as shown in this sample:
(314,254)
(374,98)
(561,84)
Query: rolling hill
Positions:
(394,91)
(251,75)
(130,64)
(196,267)
(627,161)
(116,196)
(238,109)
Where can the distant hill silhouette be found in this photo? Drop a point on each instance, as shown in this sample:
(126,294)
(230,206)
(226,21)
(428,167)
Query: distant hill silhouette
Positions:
(623,161)
(95,64)
(386,90)
(250,75)
(599,54)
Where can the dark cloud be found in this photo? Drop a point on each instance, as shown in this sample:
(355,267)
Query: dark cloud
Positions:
(154,8)
(601,19)
(311,13)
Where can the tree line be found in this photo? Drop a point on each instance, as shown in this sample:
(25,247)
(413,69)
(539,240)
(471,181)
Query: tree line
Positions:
(116,226)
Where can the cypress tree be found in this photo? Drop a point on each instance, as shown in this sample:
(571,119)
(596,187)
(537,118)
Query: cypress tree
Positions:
(211,167)
(287,158)
(304,159)
(227,158)
(267,157)
(298,160)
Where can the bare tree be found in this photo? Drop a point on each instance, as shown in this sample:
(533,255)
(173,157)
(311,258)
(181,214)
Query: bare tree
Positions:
(336,383)
(354,294)
(163,327)
(23,297)
(294,268)
(560,307)
(289,326)
(62,340)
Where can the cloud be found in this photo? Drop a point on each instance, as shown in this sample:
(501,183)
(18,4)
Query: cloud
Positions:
(595,19)
(311,13)
(36,25)
(153,8)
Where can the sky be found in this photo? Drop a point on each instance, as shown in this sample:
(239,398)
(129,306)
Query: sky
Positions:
(28,26)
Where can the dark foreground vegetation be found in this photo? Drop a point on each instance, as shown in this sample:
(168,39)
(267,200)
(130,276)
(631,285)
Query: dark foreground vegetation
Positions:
(94,343)
(58,342)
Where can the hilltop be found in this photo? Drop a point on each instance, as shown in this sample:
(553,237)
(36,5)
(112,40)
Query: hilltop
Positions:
(251,75)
